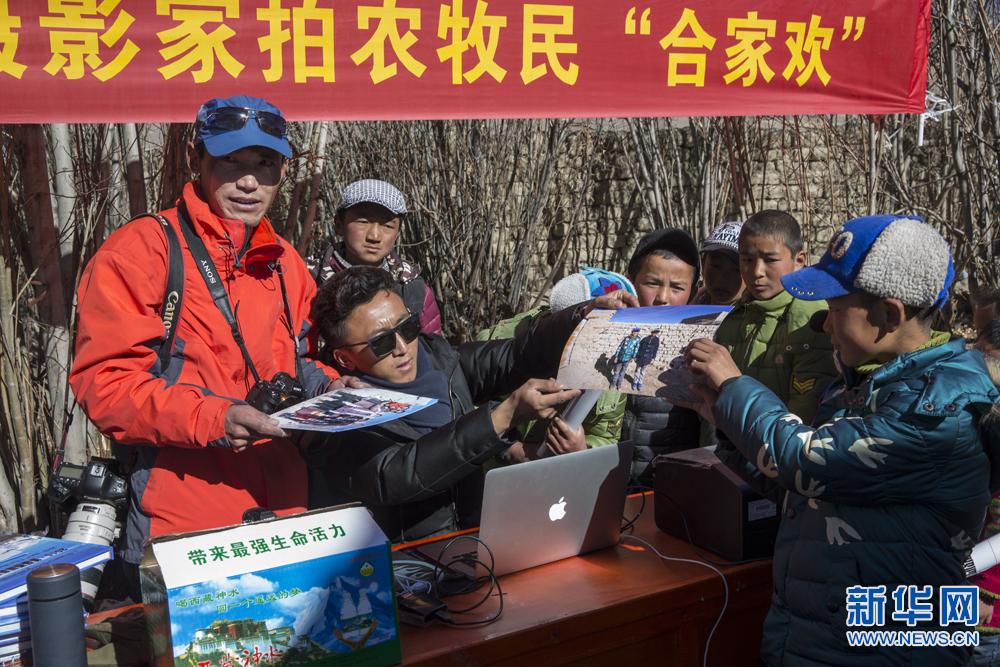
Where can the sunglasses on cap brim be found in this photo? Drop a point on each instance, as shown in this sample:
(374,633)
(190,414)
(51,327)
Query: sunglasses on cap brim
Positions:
(230,119)
(383,343)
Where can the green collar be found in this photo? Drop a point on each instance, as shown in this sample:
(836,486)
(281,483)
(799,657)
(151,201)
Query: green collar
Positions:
(776,302)
(937,338)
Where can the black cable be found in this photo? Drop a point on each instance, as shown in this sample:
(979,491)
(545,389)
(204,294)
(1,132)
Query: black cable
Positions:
(469,560)
(635,488)
(450,576)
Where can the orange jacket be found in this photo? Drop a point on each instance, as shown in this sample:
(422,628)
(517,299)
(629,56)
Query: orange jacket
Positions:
(170,423)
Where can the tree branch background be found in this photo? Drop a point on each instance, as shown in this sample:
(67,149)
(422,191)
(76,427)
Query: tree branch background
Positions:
(501,209)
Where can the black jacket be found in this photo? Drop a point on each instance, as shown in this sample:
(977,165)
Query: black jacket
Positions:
(656,426)
(648,347)
(418,485)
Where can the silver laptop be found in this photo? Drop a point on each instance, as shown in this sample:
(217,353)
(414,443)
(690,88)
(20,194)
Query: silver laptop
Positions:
(553,508)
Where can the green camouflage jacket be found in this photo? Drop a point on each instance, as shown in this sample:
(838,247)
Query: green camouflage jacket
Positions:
(771,341)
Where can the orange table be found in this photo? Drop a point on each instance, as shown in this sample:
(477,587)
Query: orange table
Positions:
(619,606)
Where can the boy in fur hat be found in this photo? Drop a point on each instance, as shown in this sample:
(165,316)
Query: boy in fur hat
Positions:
(886,491)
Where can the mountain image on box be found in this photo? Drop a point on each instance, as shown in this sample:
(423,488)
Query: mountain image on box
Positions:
(265,617)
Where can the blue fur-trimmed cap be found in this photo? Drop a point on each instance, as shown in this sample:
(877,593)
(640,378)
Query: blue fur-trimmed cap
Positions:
(889,256)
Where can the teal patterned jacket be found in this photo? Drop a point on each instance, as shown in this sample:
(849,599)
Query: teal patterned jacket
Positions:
(889,487)
(627,349)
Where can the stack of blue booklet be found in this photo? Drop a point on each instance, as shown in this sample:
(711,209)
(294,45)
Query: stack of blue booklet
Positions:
(19,555)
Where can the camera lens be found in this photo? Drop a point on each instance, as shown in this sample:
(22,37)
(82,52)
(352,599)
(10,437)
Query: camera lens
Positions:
(93,523)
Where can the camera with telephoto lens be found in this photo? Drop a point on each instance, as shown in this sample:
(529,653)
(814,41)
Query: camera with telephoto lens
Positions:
(280,392)
(97,492)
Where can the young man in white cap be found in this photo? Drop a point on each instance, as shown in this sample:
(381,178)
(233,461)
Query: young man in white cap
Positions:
(886,492)
(368,221)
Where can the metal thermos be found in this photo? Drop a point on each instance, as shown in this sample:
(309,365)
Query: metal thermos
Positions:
(55,610)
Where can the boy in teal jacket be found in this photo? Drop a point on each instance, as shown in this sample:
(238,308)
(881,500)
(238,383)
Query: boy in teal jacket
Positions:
(887,489)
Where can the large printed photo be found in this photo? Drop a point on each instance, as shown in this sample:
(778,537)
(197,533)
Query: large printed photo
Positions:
(638,350)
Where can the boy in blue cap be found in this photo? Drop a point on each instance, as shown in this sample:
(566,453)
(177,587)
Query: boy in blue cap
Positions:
(888,489)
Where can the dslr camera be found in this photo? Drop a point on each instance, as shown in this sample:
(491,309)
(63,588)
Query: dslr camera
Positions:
(96,493)
(280,392)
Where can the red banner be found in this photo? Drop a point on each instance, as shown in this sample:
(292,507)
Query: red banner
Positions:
(157,60)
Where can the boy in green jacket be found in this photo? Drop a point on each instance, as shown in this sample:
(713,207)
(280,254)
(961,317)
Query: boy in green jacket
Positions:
(768,332)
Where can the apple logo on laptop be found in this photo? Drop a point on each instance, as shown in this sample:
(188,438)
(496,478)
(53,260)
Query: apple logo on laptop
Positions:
(558,510)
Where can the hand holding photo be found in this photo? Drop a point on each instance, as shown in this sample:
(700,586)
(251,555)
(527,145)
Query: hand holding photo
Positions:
(711,362)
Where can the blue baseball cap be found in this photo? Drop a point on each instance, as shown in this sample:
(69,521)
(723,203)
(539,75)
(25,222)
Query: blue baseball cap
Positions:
(885,255)
(221,141)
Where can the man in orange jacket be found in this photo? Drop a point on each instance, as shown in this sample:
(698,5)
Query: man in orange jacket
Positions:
(197,454)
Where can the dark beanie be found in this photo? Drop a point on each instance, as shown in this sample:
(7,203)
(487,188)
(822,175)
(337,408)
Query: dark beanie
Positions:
(676,241)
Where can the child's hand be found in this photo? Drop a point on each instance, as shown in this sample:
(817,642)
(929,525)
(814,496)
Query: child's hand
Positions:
(712,361)
(612,301)
(515,453)
(562,439)
(985,612)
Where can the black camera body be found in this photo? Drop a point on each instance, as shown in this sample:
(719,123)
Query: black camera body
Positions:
(280,392)
(98,481)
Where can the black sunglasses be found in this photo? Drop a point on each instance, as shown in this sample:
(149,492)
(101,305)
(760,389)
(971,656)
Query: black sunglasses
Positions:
(383,343)
(228,119)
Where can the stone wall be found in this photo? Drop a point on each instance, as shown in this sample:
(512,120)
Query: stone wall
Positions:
(796,172)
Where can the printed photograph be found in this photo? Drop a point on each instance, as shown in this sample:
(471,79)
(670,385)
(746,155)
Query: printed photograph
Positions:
(638,350)
(298,614)
(346,409)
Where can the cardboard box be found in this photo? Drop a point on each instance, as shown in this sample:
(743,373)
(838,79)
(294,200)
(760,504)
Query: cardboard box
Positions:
(312,589)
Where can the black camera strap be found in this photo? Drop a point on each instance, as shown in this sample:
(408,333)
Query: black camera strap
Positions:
(277,268)
(213,280)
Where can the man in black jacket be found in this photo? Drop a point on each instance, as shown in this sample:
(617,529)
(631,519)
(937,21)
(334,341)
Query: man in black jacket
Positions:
(422,474)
